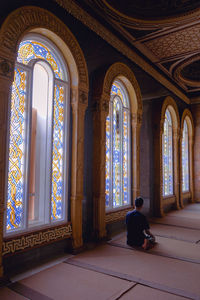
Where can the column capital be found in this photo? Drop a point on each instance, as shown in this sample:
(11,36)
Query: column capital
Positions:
(6,68)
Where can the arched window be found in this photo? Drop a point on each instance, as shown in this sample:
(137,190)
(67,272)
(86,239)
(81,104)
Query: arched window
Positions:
(167,154)
(118,148)
(185,158)
(38,137)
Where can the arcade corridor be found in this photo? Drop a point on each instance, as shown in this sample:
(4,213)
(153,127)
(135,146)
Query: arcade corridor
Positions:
(112,270)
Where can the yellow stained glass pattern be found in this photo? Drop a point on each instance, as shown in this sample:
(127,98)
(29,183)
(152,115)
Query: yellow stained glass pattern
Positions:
(16,163)
(58,159)
(30,49)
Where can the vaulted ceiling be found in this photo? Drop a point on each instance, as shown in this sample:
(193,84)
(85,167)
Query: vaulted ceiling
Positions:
(165,32)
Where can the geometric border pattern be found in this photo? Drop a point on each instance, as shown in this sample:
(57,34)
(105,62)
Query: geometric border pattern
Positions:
(31,240)
(117,216)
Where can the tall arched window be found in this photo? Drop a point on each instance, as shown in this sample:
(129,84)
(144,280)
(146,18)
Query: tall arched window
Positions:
(38,137)
(118,148)
(185,158)
(167,154)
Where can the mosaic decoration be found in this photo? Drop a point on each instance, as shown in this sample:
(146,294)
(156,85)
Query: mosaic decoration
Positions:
(185,158)
(117,150)
(58,159)
(167,156)
(30,49)
(15,192)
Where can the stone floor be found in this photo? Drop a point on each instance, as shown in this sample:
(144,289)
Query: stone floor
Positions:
(170,271)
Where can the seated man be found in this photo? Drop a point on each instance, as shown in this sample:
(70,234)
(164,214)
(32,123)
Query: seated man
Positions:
(138,233)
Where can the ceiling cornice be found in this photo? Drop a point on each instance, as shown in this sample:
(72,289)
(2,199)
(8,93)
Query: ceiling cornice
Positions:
(75,10)
(132,22)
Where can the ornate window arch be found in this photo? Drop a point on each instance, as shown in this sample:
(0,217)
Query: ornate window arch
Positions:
(38,136)
(186,157)
(170,128)
(35,20)
(117,73)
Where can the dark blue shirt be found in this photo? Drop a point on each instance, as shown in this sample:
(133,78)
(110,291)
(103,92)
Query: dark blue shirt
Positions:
(136,223)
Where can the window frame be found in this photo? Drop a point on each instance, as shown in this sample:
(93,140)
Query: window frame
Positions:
(29,68)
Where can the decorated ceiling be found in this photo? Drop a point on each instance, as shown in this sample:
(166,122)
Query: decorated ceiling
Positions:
(165,32)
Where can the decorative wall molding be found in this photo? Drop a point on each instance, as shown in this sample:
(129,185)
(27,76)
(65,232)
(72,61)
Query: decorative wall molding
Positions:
(6,68)
(117,215)
(34,239)
(72,8)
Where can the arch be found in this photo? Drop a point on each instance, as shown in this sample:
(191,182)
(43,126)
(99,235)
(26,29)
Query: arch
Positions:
(101,97)
(187,116)
(124,73)
(34,19)
(172,200)
(31,19)
(172,106)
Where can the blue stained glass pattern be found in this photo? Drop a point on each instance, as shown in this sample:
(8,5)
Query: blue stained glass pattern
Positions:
(125,157)
(116,154)
(31,49)
(58,159)
(117,90)
(185,158)
(15,193)
(117,183)
(107,160)
(167,155)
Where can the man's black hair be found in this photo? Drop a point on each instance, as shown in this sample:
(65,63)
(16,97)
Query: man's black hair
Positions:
(139,202)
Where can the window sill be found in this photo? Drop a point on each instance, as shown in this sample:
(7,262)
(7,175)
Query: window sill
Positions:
(34,229)
(169,199)
(117,214)
(186,194)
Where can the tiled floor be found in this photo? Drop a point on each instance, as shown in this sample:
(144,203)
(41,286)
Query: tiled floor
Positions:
(171,271)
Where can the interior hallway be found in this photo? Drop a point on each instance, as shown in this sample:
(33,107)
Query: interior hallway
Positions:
(112,270)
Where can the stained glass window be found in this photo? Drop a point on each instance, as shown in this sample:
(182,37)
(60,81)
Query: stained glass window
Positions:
(58,146)
(37,138)
(117,182)
(31,49)
(16,163)
(185,158)
(167,155)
